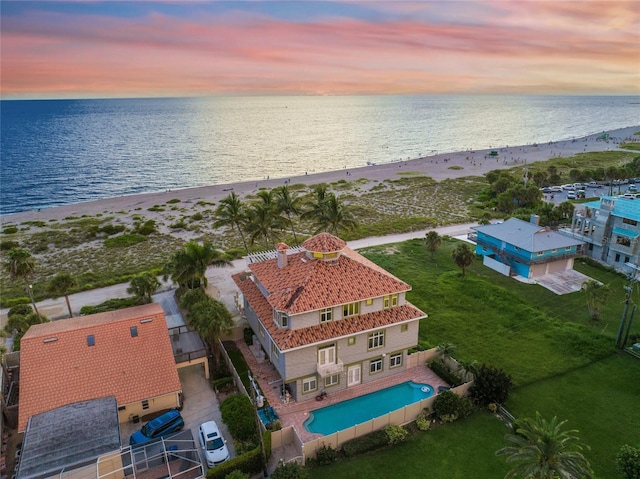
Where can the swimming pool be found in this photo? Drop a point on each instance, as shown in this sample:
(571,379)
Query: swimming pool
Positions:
(343,415)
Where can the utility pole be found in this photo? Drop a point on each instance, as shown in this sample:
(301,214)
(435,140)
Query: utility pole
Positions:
(621,339)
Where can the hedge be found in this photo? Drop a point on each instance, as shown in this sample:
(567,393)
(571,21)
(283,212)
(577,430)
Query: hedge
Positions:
(368,442)
(249,462)
(440,368)
(239,416)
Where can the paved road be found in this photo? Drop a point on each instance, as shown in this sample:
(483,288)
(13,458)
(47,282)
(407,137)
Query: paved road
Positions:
(219,278)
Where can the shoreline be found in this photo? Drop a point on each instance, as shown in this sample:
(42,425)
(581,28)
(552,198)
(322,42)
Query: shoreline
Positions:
(439,167)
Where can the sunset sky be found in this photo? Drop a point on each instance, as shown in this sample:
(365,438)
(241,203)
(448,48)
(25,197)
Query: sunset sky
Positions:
(96,49)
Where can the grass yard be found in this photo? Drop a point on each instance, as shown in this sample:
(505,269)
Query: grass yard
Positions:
(460,450)
(600,400)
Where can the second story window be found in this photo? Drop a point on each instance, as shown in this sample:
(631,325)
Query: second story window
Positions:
(350,309)
(376,340)
(390,301)
(326,315)
(281,319)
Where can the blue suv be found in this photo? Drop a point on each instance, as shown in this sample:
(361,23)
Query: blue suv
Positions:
(167,423)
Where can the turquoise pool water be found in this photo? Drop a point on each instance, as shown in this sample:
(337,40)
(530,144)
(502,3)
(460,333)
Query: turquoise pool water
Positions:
(337,417)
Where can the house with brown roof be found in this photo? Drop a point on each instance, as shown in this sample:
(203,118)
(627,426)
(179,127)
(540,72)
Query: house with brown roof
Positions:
(326,317)
(126,354)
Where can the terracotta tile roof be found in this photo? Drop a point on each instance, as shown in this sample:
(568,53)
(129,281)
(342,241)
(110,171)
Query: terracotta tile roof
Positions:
(57,372)
(309,284)
(324,243)
(289,339)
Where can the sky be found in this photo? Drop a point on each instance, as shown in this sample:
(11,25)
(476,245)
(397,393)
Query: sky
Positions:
(94,49)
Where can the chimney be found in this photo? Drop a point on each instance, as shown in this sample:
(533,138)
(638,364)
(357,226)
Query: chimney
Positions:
(535,219)
(281,251)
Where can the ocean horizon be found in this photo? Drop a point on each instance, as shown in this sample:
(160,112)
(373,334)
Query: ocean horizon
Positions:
(58,152)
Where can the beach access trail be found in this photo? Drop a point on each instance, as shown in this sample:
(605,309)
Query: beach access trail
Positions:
(220,282)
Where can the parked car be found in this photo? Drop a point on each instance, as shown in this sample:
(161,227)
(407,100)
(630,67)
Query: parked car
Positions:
(556,189)
(631,196)
(568,187)
(571,195)
(545,189)
(167,423)
(594,184)
(632,189)
(214,446)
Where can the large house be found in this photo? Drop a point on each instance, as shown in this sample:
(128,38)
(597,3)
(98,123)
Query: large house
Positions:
(125,353)
(611,229)
(327,318)
(526,249)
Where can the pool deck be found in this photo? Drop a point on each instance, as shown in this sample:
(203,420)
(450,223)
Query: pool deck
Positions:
(295,413)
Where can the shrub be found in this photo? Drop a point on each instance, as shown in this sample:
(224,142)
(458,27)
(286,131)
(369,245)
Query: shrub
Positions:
(448,406)
(438,366)
(109,305)
(8,245)
(9,230)
(20,309)
(146,228)
(124,241)
(196,217)
(628,462)
(250,463)
(395,433)
(173,201)
(290,470)
(237,414)
(492,385)
(247,333)
(112,229)
(369,442)
(423,422)
(237,474)
(222,383)
(326,455)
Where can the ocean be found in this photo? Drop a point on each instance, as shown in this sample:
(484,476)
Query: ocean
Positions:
(57,152)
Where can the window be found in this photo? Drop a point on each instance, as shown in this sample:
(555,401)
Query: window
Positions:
(326,315)
(284,320)
(376,340)
(617,257)
(369,301)
(626,259)
(350,309)
(375,366)
(331,380)
(630,221)
(404,328)
(274,351)
(390,301)
(395,360)
(134,331)
(590,246)
(623,240)
(122,408)
(351,341)
(554,250)
(568,248)
(145,404)
(309,384)
(91,340)
(540,253)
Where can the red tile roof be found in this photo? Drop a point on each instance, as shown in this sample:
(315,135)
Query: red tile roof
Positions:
(64,370)
(307,284)
(289,339)
(324,243)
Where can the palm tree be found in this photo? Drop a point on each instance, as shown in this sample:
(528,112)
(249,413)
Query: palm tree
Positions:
(21,266)
(288,203)
(210,318)
(433,241)
(263,220)
(188,266)
(597,295)
(468,369)
(462,257)
(337,217)
(446,350)
(542,450)
(143,286)
(316,208)
(232,212)
(61,285)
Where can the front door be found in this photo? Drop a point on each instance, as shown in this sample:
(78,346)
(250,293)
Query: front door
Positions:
(353,375)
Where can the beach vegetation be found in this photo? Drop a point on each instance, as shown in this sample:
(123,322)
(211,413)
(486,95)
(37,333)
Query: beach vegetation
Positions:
(456,167)
(156,209)
(630,146)
(62,284)
(6,245)
(9,230)
(173,201)
(232,212)
(145,228)
(124,240)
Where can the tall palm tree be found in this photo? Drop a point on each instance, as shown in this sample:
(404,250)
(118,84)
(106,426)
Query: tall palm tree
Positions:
(61,285)
(433,241)
(288,203)
(21,265)
(263,219)
(462,256)
(143,286)
(316,208)
(232,212)
(542,450)
(337,217)
(188,266)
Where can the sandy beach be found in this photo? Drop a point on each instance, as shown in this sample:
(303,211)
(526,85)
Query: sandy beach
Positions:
(438,167)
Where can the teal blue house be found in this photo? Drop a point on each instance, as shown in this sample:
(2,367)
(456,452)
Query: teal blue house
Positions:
(521,248)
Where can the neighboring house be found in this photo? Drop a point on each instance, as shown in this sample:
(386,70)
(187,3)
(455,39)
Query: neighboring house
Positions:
(125,353)
(611,228)
(522,248)
(327,318)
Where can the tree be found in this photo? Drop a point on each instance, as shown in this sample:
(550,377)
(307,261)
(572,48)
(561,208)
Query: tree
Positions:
(462,256)
(542,450)
(596,294)
(188,266)
(21,266)
(143,286)
(261,223)
(628,462)
(232,212)
(290,470)
(288,204)
(446,350)
(19,320)
(468,369)
(337,217)
(210,318)
(491,385)
(316,207)
(433,241)
(61,285)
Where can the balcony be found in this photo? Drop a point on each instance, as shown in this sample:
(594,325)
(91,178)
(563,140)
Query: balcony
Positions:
(330,368)
(526,258)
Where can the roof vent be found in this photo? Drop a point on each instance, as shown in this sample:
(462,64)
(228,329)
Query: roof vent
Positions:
(147,320)
(50,340)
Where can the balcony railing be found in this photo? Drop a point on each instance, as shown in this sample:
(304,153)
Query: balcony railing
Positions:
(330,369)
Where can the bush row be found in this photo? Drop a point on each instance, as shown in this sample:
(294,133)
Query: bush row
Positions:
(438,366)
(238,415)
(249,462)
